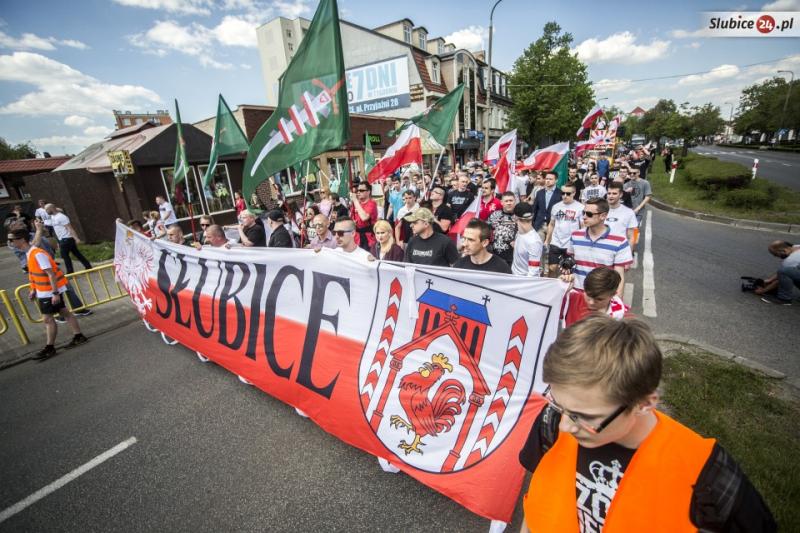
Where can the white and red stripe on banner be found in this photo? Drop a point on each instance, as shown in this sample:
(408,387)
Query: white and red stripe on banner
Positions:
(589,119)
(545,158)
(406,149)
(397,361)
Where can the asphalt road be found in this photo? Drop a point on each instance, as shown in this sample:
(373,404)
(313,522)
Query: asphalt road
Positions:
(697,266)
(211,454)
(782,168)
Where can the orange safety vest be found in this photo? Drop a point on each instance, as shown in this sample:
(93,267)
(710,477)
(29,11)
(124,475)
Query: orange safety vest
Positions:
(40,281)
(654,495)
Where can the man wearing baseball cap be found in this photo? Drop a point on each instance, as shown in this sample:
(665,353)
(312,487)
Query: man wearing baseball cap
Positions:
(48,286)
(428,247)
(528,244)
(280,237)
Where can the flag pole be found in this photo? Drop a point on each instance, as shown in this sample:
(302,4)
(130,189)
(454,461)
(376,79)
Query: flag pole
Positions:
(305,208)
(189,199)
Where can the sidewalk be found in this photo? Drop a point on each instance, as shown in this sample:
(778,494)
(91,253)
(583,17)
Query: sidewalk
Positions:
(738,222)
(106,317)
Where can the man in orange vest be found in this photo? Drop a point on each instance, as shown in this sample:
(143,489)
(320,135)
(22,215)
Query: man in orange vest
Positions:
(48,284)
(605,459)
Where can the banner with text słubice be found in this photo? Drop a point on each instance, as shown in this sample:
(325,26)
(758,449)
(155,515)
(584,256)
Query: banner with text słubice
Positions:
(433,369)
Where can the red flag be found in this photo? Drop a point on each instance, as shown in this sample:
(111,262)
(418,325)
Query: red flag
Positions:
(406,149)
(545,158)
(472,212)
(589,119)
(504,152)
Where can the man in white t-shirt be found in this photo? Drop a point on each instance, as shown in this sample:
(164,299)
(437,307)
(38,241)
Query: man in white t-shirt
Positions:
(527,244)
(565,217)
(344,233)
(621,219)
(166,211)
(594,190)
(41,214)
(67,238)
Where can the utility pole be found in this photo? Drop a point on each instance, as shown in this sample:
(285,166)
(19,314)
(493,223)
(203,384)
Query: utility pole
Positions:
(730,121)
(490,79)
(785,102)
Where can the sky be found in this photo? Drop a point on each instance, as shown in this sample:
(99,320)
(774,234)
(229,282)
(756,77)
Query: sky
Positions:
(64,66)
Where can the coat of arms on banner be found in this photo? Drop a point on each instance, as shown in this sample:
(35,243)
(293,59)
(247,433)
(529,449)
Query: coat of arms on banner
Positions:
(441,386)
(133,263)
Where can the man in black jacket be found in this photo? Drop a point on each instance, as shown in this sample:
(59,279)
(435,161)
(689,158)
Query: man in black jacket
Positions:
(280,237)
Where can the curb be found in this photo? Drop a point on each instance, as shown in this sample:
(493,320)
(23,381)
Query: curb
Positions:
(725,354)
(738,222)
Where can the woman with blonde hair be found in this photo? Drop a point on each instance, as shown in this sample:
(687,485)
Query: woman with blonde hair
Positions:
(325,203)
(385,248)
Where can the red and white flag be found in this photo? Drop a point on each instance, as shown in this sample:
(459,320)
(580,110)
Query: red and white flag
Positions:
(503,154)
(614,125)
(589,119)
(545,158)
(406,149)
(472,212)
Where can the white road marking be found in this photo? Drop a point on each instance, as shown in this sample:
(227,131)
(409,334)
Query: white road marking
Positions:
(627,294)
(786,164)
(648,280)
(635,262)
(57,484)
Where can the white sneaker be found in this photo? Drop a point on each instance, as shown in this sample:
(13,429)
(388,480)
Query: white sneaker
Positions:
(203,358)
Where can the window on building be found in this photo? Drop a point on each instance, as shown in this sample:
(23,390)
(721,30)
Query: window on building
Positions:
(435,74)
(218,195)
(407,33)
(423,38)
(290,46)
(289,33)
(180,200)
(441,48)
(126,122)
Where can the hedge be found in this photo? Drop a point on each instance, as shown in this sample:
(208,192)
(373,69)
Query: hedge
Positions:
(714,175)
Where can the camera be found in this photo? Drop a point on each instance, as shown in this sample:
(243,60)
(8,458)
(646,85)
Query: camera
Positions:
(567,263)
(750,284)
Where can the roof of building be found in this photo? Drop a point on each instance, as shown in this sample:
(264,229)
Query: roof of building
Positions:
(393,23)
(130,129)
(425,76)
(32,166)
(637,110)
(95,158)
(464,308)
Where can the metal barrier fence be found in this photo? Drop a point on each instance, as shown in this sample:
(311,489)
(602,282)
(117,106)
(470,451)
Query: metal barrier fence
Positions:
(102,288)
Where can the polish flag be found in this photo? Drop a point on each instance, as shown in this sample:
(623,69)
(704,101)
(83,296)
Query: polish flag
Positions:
(589,119)
(503,153)
(406,149)
(472,212)
(546,158)
(614,125)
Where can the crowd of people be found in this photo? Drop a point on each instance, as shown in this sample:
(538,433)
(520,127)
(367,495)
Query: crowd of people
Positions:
(601,423)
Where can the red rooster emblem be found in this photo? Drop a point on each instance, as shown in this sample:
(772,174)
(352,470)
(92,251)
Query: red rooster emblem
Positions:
(428,416)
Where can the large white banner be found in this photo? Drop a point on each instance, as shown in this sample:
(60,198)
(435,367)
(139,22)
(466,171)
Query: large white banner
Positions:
(376,87)
(433,369)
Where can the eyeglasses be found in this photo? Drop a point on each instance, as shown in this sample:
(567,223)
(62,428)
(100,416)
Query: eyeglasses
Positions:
(204,225)
(341,232)
(362,190)
(590,214)
(567,193)
(318,225)
(577,420)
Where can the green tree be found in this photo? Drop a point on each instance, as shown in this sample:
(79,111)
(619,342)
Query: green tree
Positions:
(550,88)
(761,107)
(706,120)
(18,151)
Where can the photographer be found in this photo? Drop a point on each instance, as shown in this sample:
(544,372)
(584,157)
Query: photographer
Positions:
(788,274)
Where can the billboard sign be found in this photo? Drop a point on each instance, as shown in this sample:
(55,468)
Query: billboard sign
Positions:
(378,87)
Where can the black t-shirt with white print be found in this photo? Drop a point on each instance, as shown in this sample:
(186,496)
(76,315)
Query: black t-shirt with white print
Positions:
(597,477)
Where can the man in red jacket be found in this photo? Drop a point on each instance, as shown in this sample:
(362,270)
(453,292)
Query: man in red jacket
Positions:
(605,459)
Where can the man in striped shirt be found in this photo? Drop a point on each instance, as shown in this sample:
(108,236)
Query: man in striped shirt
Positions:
(596,246)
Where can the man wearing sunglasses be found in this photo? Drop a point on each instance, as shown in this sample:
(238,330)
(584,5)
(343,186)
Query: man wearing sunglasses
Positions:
(596,246)
(344,234)
(600,444)
(324,237)
(364,213)
(566,217)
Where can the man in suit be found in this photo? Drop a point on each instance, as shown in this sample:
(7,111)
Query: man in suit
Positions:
(543,204)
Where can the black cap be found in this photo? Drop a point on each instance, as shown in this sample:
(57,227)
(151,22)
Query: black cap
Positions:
(523,210)
(276,215)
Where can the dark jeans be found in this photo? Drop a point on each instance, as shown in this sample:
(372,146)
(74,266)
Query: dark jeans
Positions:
(787,277)
(67,246)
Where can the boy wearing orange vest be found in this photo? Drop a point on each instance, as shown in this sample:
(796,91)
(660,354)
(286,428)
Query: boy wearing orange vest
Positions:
(48,284)
(604,459)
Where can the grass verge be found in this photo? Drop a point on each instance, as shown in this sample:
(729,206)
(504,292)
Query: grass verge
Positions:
(682,193)
(95,253)
(754,417)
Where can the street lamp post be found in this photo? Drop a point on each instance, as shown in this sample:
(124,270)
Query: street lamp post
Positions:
(785,102)
(730,121)
(490,79)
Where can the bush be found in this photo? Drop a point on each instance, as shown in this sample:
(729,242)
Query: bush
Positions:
(712,174)
(748,199)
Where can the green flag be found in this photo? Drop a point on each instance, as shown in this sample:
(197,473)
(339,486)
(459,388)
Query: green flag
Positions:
(369,157)
(312,113)
(228,139)
(561,170)
(180,169)
(344,180)
(438,119)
